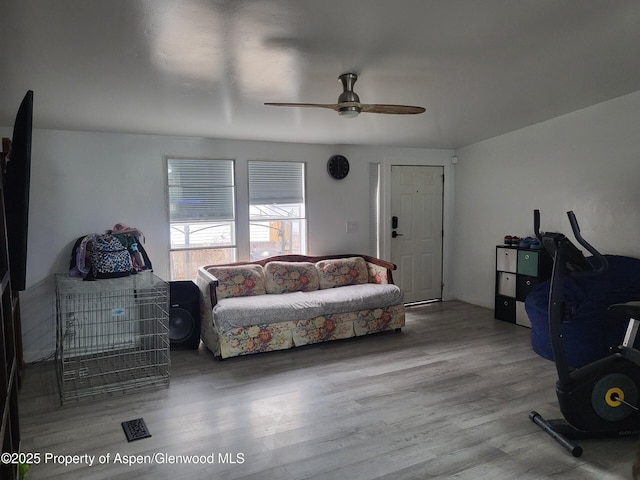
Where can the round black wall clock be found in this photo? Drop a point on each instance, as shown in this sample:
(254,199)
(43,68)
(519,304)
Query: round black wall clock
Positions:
(338,167)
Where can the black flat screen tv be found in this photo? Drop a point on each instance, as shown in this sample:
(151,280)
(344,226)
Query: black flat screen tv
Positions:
(16,191)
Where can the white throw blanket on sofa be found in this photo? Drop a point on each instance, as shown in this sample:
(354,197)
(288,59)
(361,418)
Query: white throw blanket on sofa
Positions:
(242,311)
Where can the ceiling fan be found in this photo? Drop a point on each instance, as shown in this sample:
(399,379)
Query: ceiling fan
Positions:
(349,105)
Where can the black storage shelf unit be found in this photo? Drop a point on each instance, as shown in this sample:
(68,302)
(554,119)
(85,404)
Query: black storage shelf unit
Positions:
(518,270)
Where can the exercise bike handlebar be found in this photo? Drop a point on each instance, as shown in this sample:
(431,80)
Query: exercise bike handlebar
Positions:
(536,224)
(601,259)
(576,262)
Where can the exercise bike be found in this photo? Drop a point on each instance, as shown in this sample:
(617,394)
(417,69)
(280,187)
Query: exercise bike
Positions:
(601,399)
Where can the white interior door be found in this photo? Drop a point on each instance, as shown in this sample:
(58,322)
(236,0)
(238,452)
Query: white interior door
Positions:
(416,245)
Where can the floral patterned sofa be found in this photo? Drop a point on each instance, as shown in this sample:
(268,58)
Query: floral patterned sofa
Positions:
(291,300)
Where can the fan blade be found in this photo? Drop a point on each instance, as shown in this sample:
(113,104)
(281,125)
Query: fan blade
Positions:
(392,109)
(364,108)
(331,106)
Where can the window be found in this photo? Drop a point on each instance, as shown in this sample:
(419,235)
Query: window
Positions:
(277,217)
(201,214)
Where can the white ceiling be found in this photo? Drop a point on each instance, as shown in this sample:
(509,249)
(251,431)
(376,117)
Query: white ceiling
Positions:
(205,67)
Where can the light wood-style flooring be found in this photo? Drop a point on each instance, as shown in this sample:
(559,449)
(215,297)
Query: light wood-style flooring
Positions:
(448,397)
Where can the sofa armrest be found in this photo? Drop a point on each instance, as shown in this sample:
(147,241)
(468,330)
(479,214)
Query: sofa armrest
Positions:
(380,274)
(207,284)
(378,261)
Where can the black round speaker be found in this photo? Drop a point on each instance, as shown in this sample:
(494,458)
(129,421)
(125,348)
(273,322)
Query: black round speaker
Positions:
(181,324)
(184,315)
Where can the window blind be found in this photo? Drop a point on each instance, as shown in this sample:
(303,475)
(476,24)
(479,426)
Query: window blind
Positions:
(273,183)
(200,190)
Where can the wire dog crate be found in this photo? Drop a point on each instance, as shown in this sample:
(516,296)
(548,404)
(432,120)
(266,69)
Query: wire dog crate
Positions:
(112,335)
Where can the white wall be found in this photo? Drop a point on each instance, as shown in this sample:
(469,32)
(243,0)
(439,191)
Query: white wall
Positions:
(83,182)
(587,161)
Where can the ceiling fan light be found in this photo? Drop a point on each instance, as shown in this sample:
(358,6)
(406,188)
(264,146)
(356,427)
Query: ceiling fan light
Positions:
(349,112)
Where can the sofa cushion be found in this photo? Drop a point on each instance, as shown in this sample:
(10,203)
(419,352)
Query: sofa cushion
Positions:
(339,272)
(353,298)
(265,309)
(239,281)
(286,277)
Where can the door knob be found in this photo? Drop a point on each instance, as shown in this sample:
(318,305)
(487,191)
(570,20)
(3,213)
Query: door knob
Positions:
(395,234)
